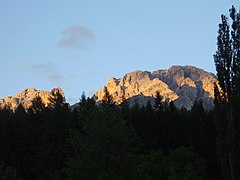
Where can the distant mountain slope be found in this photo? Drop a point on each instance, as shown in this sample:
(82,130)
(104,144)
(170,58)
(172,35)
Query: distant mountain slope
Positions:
(181,84)
(26,97)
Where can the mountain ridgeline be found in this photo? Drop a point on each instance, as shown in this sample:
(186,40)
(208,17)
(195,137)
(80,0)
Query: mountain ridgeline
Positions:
(146,137)
(181,84)
(27,96)
(44,138)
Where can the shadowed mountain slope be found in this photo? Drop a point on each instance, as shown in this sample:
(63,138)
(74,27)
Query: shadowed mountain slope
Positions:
(27,96)
(181,84)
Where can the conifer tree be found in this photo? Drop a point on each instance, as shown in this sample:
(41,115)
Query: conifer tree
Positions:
(108,101)
(54,134)
(227,98)
(158,102)
(107,97)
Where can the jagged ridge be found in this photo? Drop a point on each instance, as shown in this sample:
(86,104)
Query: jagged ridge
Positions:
(26,97)
(181,84)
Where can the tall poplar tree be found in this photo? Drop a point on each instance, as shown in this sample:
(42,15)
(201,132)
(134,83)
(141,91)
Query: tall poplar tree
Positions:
(227,96)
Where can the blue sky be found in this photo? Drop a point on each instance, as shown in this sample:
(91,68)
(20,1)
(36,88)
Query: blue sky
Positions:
(78,45)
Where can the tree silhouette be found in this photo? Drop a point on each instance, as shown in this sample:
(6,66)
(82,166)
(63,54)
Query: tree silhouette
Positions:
(101,146)
(53,137)
(227,98)
(107,97)
(158,102)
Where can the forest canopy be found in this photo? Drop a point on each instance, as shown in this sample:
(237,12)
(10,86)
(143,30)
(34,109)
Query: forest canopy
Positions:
(107,141)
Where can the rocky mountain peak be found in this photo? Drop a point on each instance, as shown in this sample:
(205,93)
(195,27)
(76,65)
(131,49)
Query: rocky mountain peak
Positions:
(27,96)
(54,91)
(181,84)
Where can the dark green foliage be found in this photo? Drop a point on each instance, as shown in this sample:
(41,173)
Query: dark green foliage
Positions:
(7,173)
(101,146)
(227,98)
(107,142)
(158,102)
(186,165)
(118,142)
(52,140)
(107,99)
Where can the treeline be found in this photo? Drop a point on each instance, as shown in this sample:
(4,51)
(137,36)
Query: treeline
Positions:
(117,142)
(108,142)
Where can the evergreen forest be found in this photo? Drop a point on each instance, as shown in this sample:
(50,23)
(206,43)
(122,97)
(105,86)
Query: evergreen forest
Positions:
(118,142)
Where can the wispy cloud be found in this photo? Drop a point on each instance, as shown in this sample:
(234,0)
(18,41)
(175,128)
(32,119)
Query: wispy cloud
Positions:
(47,70)
(55,78)
(76,37)
(43,67)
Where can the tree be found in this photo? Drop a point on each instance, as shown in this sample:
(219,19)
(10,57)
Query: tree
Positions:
(108,99)
(7,173)
(85,105)
(227,97)
(83,101)
(99,149)
(54,133)
(180,164)
(186,165)
(37,105)
(158,102)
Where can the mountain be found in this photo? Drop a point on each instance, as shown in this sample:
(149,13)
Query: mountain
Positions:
(26,97)
(181,84)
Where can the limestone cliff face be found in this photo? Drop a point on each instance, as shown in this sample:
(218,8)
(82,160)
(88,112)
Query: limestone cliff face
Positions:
(181,84)
(26,97)
(135,84)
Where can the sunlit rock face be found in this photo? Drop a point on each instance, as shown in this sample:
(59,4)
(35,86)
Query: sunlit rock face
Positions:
(27,96)
(181,84)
